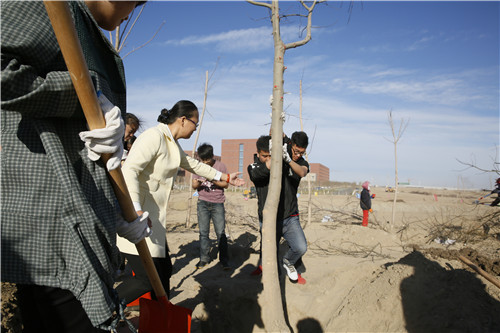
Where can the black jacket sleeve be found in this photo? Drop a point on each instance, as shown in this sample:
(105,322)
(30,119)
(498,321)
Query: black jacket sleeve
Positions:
(259,173)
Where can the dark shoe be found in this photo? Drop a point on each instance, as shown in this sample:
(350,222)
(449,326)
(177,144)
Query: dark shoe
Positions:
(258,271)
(225,266)
(201,264)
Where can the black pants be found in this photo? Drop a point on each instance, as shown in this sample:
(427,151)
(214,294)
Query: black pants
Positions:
(47,309)
(134,287)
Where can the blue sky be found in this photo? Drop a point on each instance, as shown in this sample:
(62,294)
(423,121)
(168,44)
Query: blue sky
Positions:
(434,64)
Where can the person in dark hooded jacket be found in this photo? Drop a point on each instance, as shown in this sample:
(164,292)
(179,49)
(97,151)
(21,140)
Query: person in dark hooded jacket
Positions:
(366,202)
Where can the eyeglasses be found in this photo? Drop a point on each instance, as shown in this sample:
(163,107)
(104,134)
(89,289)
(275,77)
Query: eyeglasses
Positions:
(298,152)
(195,124)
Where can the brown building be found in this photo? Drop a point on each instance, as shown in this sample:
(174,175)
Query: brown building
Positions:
(237,155)
(318,172)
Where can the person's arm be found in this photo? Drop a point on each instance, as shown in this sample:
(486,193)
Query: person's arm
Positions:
(299,170)
(196,183)
(221,183)
(201,169)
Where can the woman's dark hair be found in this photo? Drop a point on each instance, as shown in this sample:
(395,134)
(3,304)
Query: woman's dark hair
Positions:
(205,152)
(180,109)
(131,119)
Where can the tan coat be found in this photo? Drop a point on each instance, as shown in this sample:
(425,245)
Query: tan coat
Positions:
(150,171)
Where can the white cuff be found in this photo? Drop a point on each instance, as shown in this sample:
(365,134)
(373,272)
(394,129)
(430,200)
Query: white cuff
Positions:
(137,206)
(218,174)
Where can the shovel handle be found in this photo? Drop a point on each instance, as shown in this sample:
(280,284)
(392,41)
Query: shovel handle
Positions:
(480,271)
(65,31)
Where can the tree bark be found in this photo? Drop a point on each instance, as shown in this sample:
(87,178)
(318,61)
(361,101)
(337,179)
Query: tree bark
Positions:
(273,316)
(395,140)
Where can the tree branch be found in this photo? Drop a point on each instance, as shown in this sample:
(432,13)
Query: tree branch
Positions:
(308,28)
(140,47)
(263,4)
(122,43)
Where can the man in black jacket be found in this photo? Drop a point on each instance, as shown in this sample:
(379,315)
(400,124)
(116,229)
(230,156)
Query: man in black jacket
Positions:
(295,167)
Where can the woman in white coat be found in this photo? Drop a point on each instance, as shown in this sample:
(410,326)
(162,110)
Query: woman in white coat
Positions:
(149,172)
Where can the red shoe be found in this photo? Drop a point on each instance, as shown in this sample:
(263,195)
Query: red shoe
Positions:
(301,280)
(258,271)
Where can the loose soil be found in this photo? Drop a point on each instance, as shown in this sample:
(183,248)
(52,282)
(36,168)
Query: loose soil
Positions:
(401,277)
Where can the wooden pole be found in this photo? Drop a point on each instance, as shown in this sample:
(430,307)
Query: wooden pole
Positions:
(480,271)
(200,122)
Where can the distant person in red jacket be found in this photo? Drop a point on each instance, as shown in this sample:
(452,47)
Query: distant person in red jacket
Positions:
(366,202)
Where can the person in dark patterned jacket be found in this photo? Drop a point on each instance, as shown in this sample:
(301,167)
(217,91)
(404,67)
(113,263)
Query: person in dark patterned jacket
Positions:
(366,202)
(59,214)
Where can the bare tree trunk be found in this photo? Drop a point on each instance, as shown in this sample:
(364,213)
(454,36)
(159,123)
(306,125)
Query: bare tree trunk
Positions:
(395,140)
(190,199)
(309,195)
(273,316)
(396,187)
(117,39)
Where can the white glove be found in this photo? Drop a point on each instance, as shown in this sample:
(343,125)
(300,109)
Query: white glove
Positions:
(286,156)
(134,231)
(109,139)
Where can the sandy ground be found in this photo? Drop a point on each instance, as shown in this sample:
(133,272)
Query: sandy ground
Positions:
(359,279)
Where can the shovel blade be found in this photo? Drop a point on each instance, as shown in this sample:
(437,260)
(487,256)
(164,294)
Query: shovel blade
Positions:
(161,316)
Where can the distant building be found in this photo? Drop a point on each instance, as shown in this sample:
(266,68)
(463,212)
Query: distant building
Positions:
(318,172)
(237,154)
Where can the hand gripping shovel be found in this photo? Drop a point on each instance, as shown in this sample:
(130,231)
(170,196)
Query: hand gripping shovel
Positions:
(155,316)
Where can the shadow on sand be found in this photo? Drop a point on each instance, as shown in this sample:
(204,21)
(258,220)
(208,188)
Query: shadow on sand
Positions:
(229,300)
(436,299)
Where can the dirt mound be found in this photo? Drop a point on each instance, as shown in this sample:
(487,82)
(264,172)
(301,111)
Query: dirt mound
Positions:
(489,265)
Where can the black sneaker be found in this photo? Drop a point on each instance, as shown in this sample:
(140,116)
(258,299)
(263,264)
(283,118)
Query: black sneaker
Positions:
(291,271)
(201,264)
